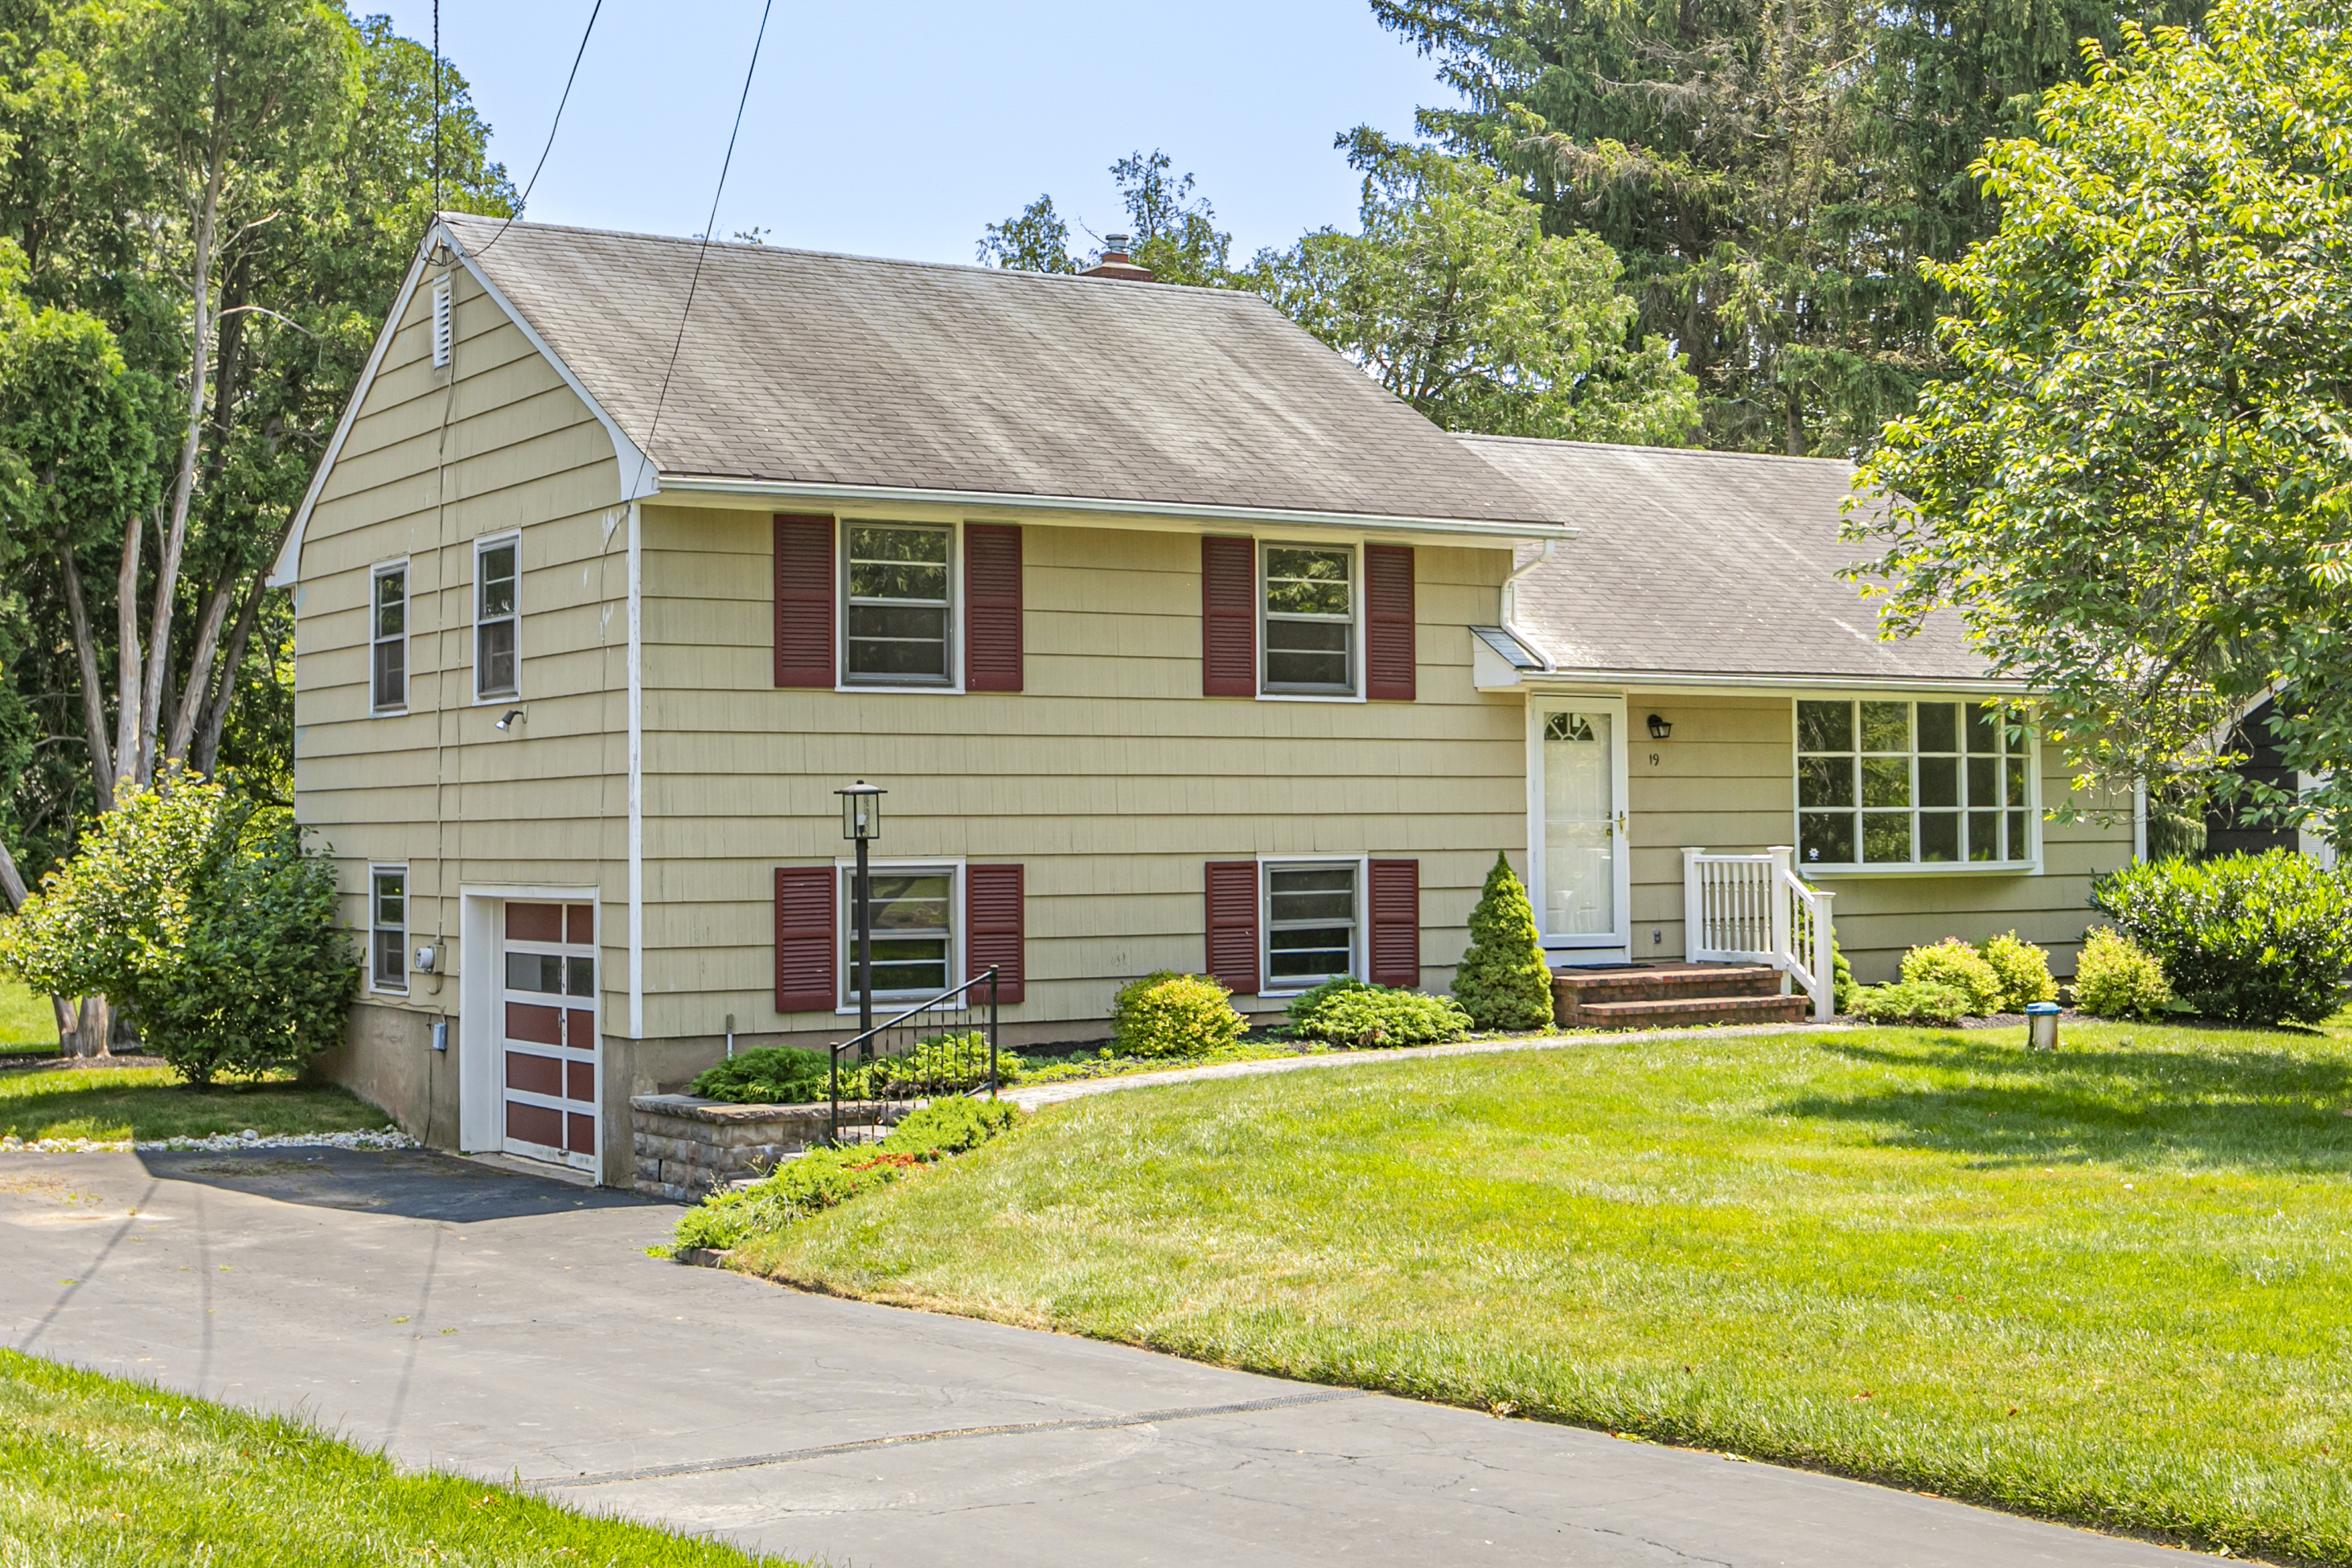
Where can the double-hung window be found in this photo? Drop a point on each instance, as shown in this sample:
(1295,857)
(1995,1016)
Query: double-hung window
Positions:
(901,628)
(495,584)
(1309,620)
(914,931)
(388,926)
(388,639)
(1901,783)
(1310,923)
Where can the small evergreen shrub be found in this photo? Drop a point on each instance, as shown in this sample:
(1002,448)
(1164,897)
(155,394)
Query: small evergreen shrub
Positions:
(1954,964)
(2254,939)
(1842,985)
(2114,979)
(822,1177)
(1912,1002)
(1347,1012)
(1167,1014)
(2024,970)
(771,1074)
(1503,982)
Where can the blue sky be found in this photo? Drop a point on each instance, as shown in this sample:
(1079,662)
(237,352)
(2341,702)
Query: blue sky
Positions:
(904,130)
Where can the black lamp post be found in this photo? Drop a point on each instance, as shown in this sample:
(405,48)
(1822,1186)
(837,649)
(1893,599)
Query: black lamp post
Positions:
(861,823)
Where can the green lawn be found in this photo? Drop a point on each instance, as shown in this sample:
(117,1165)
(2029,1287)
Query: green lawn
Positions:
(97,1471)
(114,1104)
(25,1018)
(2110,1286)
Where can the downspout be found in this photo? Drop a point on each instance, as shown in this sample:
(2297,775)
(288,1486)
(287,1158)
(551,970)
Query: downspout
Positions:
(636,722)
(1511,605)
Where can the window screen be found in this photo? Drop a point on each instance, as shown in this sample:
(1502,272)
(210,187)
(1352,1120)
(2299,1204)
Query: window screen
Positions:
(1310,926)
(1897,783)
(1310,619)
(913,934)
(900,603)
(495,673)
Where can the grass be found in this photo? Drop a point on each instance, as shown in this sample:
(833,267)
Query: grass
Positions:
(101,1471)
(26,1019)
(2110,1286)
(110,1104)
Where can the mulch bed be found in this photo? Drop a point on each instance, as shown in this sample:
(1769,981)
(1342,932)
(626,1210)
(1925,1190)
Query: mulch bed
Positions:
(76,1064)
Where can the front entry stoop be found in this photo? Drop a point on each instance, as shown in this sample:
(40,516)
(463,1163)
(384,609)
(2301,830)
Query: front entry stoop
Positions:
(1652,995)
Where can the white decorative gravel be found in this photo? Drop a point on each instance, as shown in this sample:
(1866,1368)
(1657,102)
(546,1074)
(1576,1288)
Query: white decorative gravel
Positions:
(217,1144)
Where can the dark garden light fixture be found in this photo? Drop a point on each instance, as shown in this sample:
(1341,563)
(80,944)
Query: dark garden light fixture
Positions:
(1659,728)
(861,823)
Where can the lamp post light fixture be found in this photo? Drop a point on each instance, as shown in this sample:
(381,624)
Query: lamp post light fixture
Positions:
(861,823)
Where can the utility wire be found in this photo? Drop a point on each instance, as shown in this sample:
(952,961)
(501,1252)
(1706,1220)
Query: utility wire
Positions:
(524,200)
(695,279)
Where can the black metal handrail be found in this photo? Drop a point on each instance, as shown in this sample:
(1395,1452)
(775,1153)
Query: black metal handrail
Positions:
(950,1012)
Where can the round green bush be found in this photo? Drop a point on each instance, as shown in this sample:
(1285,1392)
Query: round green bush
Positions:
(2254,939)
(1350,1013)
(2024,970)
(2114,979)
(771,1074)
(1953,963)
(1167,1014)
(1911,1002)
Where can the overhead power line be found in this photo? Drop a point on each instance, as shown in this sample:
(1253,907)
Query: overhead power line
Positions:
(524,200)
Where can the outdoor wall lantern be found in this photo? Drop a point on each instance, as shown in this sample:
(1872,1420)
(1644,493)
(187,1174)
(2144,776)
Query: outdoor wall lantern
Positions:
(1659,728)
(861,823)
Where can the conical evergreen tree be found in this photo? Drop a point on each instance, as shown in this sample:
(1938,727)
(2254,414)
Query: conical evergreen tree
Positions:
(1502,981)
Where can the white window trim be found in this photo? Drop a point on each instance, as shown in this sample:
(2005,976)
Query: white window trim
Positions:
(474,619)
(2029,867)
(407,609)
(399,869)
(444,326)
(1259,544)
(953,686)
(1358,944)
(845,945)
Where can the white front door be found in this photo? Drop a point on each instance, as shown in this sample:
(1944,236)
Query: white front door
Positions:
(546,1026)
(1580,881)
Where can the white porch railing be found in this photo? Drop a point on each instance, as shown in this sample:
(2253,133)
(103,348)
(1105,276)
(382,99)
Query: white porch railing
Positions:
(1753,908)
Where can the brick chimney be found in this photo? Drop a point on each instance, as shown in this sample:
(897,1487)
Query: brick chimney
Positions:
(1115,262)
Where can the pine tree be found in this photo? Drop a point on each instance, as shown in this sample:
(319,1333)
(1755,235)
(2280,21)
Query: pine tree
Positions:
(1502,981)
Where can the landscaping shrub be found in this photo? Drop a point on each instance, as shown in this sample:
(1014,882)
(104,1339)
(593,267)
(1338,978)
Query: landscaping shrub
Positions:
(773,1075)
(1842,985)
(2114,979)
(1350,1013)
(944,1064)
(1954,964)
(204,917)
(1167,1014)
(1912,1002)
(823,1177)
(1503,982)
(2251,938)
(2024,970)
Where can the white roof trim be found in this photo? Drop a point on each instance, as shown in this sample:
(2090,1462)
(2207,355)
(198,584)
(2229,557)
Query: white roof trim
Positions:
(794,489)
(638,477)
(1742,680)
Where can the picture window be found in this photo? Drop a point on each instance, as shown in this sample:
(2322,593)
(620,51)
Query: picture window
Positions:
(1884,782)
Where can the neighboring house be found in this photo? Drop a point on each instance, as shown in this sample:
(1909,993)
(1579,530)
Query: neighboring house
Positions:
(2235,828)
(1176,641)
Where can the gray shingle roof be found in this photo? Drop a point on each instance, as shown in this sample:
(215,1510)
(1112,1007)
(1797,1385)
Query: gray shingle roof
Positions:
(1694,563)
(839,370)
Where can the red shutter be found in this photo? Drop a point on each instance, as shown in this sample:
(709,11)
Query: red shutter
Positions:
(804,592)
(991,919)
(1389,659)
(991,612)
(1396,922)
(804,940)
(1233,925)
(1228,618)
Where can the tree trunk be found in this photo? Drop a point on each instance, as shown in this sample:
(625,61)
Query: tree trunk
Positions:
(93,1030)
(93,699)
(200,671)
(208,738)
(127,727)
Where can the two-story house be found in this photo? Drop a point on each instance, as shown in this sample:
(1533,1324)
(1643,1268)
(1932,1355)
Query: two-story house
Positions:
(1175,640)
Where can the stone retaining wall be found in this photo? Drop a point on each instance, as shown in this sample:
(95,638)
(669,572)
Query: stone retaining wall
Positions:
(687,1147)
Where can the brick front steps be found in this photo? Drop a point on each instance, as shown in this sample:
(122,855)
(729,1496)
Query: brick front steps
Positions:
(1655,995)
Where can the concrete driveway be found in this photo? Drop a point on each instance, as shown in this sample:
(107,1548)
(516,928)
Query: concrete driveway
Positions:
(501,1324)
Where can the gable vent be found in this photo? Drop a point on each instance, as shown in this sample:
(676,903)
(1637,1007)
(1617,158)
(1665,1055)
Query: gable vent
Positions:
(440,324)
